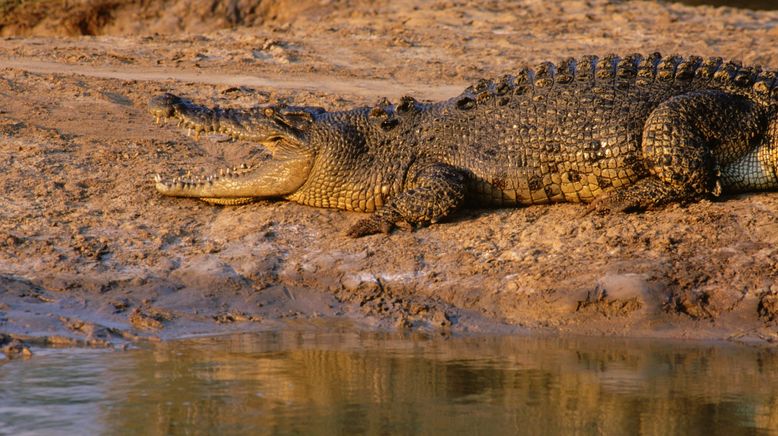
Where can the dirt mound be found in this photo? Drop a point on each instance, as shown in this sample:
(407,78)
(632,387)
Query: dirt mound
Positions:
(119,17)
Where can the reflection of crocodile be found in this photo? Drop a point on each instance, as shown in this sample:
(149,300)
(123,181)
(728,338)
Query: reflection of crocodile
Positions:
(623,133)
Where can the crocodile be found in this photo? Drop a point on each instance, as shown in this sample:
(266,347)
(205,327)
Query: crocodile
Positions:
(624,134)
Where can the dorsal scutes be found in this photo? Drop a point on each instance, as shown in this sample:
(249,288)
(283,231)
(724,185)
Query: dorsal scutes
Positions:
(633,69)
(545,72)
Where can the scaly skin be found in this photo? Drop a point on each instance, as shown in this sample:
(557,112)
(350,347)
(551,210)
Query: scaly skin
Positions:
(623,134)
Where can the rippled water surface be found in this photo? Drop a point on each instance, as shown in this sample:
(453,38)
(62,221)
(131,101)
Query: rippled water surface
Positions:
(317,383)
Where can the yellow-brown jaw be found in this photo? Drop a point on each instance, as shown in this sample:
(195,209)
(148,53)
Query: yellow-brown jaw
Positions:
(280,129)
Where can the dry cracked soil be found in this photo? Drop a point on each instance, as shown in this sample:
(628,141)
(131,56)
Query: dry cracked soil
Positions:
(91,255)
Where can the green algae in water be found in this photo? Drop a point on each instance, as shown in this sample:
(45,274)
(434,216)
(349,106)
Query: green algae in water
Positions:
(344,383)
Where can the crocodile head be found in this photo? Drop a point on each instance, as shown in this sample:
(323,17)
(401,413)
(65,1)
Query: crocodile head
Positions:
(282,129)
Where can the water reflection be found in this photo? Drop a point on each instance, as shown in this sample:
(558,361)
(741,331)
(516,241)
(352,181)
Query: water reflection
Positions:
(292,382)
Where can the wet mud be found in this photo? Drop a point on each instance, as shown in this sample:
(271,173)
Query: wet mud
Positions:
(91,255)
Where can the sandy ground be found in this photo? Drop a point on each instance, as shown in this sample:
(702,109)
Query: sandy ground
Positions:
(90,254)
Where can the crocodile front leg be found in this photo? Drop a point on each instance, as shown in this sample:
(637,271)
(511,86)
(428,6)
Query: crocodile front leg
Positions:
(431,192)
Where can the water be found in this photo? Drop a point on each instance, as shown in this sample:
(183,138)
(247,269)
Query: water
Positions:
(745,4)
(350,383)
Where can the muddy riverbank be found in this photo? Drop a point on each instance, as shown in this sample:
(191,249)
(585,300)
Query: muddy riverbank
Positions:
(90,254)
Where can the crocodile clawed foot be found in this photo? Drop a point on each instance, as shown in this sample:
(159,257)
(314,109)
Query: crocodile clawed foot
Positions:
(588,210)
(615,201)
(600,206)
(370,226)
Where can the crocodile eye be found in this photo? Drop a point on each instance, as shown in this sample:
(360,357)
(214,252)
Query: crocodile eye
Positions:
(269,112)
